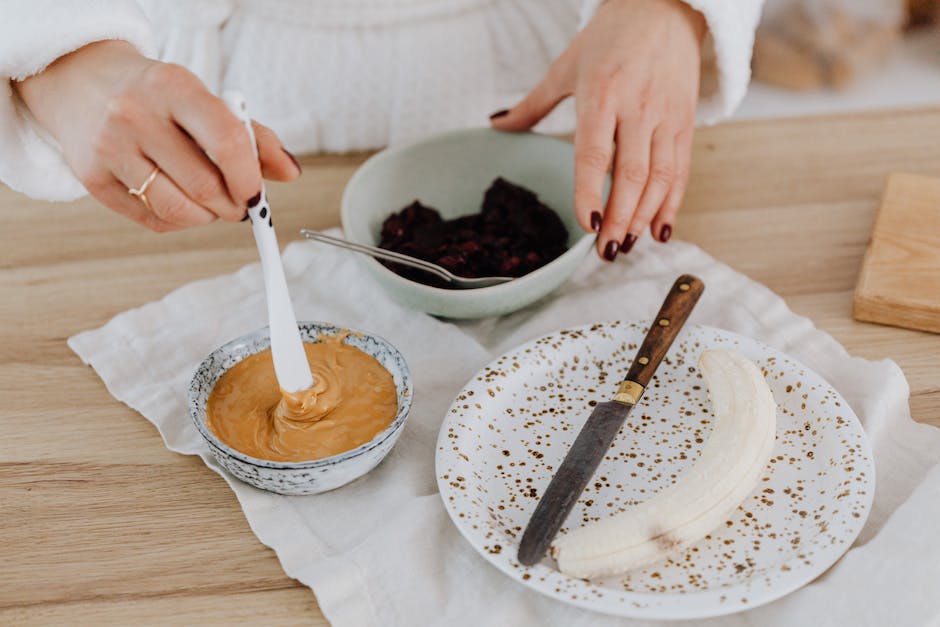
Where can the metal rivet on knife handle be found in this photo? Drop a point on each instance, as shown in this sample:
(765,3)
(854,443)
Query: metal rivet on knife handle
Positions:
(672,315)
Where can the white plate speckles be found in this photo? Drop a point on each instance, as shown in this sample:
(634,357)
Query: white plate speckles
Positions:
(510,427)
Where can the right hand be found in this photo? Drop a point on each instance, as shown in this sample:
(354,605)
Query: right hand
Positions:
(117,115)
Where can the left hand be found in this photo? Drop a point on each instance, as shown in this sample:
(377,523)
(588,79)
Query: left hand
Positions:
(120,117)
(634,73)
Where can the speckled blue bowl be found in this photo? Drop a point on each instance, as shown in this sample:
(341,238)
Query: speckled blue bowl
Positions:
(318,475)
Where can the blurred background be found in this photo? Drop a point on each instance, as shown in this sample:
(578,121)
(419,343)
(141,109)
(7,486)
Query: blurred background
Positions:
(821,56)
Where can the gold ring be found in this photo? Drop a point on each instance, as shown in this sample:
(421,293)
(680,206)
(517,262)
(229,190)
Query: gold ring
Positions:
(141,192)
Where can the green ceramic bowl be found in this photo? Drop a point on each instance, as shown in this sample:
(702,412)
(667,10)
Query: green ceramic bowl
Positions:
(450,172)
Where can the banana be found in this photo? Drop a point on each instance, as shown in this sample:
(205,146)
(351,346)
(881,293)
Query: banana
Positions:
(731,463)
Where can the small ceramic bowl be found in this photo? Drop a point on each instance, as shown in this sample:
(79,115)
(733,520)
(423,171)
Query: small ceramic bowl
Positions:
(450,172)
(315,476)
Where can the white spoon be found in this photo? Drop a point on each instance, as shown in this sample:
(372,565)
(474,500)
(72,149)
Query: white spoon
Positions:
(290,360)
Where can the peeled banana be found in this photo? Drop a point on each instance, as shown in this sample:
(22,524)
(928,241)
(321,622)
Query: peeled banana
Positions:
(731,463)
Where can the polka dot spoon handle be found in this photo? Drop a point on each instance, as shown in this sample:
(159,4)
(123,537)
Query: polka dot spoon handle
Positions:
(290,360)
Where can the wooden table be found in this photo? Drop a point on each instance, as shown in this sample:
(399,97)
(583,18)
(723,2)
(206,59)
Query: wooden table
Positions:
(101,523)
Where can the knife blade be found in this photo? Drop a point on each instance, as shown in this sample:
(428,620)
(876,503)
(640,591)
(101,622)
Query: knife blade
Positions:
(602,426)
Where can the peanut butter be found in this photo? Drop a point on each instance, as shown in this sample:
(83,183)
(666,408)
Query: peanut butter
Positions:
(353,399)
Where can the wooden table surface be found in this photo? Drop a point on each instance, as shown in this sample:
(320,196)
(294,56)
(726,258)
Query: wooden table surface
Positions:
(101,523)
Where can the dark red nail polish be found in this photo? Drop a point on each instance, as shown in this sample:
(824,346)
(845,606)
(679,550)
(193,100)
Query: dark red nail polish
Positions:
(254,200)
(292,158)
(246,217)
(499,114)
(628,243)
(610,251)
(665,233)
(595,221)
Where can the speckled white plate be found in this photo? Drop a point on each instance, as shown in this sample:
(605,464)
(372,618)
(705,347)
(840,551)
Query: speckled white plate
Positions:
(510,427)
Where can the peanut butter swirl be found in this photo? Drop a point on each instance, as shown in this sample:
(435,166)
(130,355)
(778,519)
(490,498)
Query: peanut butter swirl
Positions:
(353,400)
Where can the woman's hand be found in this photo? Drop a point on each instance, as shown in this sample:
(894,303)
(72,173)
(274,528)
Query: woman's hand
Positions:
(117,115)
(634,73)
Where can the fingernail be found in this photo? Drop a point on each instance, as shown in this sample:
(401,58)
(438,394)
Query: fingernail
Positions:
(499,114)
(595,221)
(254,200)
(245,218)
(628,243)
(665,233)
(610,251)
(292,158)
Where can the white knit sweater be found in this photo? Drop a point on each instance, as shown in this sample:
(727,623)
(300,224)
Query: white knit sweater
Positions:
(334,75)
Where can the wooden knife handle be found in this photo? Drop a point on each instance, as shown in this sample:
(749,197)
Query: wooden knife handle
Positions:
(672,315)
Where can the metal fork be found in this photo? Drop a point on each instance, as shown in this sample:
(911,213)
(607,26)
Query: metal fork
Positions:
(407,260)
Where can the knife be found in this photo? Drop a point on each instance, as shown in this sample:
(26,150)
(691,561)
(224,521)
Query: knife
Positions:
(602,425)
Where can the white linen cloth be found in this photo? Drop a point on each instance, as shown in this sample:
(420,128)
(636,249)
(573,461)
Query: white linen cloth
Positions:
(382,551)
(334,75)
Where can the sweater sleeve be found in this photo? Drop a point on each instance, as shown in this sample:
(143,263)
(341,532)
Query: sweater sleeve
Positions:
(726,52)
(33,34)
(189,32)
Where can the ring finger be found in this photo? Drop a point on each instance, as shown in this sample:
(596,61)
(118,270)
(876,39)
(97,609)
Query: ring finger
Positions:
(114,195)
(628,178)
(661,178)
(190,169)
(661,227)
(163,198)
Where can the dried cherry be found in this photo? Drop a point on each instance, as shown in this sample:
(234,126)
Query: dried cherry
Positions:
(513,234)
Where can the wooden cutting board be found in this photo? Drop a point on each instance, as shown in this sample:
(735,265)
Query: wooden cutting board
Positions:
(900,280)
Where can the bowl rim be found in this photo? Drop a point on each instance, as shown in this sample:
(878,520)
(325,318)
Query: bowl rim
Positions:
(580,247)
(263,333)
